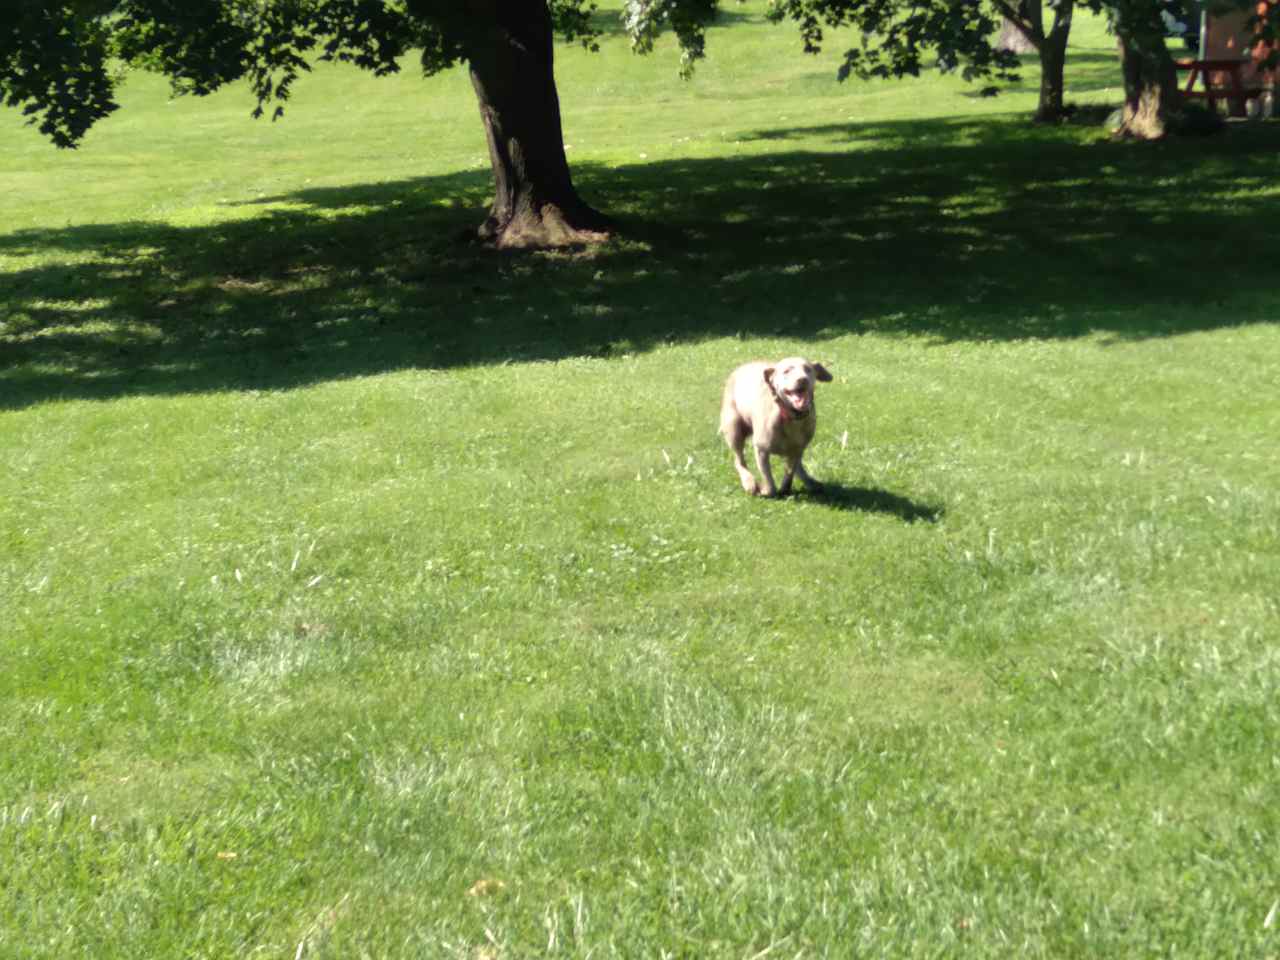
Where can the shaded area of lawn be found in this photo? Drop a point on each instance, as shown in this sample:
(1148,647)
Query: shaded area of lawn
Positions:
(949,229)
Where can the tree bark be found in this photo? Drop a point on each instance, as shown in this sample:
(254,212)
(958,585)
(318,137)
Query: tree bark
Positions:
(1053,62)
(1013,34)
(1012,39)
(1053,58)
(1027,20)
(1151,94)
(510,51)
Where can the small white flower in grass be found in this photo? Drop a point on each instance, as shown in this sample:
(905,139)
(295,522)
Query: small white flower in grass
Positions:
(239,576)
(1268,923)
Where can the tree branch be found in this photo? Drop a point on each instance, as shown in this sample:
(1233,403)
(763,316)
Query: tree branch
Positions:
(1033,33)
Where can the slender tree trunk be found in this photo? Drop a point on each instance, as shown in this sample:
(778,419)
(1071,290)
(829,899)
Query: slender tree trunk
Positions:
(510,52)
(1053,62)
(1027,20)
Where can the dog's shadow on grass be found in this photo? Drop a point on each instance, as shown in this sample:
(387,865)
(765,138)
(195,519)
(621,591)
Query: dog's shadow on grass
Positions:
(837,496)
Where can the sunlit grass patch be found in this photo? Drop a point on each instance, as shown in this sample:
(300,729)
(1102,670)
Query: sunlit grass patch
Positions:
(368,593)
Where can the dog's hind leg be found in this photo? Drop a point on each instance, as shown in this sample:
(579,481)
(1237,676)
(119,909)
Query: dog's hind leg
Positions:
(735,435)
(785,487)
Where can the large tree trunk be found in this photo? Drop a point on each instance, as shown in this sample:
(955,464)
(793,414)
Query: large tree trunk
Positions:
(510,52)
(1151,94)
(1151,97)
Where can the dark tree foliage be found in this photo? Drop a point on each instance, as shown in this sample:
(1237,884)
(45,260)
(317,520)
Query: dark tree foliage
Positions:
(54,66)
(898,35)
(961,34)
(1266,25)
(644,20)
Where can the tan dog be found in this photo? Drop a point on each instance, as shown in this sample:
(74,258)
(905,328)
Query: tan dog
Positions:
(773,403)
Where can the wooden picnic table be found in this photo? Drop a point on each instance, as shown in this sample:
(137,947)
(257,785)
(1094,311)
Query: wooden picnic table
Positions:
(1236,93)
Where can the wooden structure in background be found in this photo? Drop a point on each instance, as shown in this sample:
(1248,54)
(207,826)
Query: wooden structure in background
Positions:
(1230,66)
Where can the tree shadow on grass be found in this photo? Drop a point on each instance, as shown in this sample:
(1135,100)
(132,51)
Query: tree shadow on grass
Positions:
(952,230)
(872,500)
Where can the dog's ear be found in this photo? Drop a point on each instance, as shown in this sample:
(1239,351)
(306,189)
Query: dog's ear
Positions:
(768,375)
(820,372)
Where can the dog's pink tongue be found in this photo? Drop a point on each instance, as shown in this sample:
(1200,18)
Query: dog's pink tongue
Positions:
(799,400)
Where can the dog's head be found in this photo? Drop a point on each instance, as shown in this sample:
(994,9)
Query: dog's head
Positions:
(792,380)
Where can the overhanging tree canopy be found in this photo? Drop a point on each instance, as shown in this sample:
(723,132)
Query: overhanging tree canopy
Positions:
(60,63)
(57,63)
(961,34)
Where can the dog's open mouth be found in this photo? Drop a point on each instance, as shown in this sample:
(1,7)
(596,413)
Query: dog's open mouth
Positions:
(798,400)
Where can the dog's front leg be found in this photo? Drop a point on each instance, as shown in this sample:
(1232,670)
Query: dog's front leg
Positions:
(785,488)
(810,484)
(768,488)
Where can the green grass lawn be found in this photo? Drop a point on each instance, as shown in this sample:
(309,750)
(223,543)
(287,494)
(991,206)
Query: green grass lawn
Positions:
(368,594)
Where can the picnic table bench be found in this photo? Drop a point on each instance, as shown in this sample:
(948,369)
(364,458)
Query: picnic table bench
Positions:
(1235,93)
